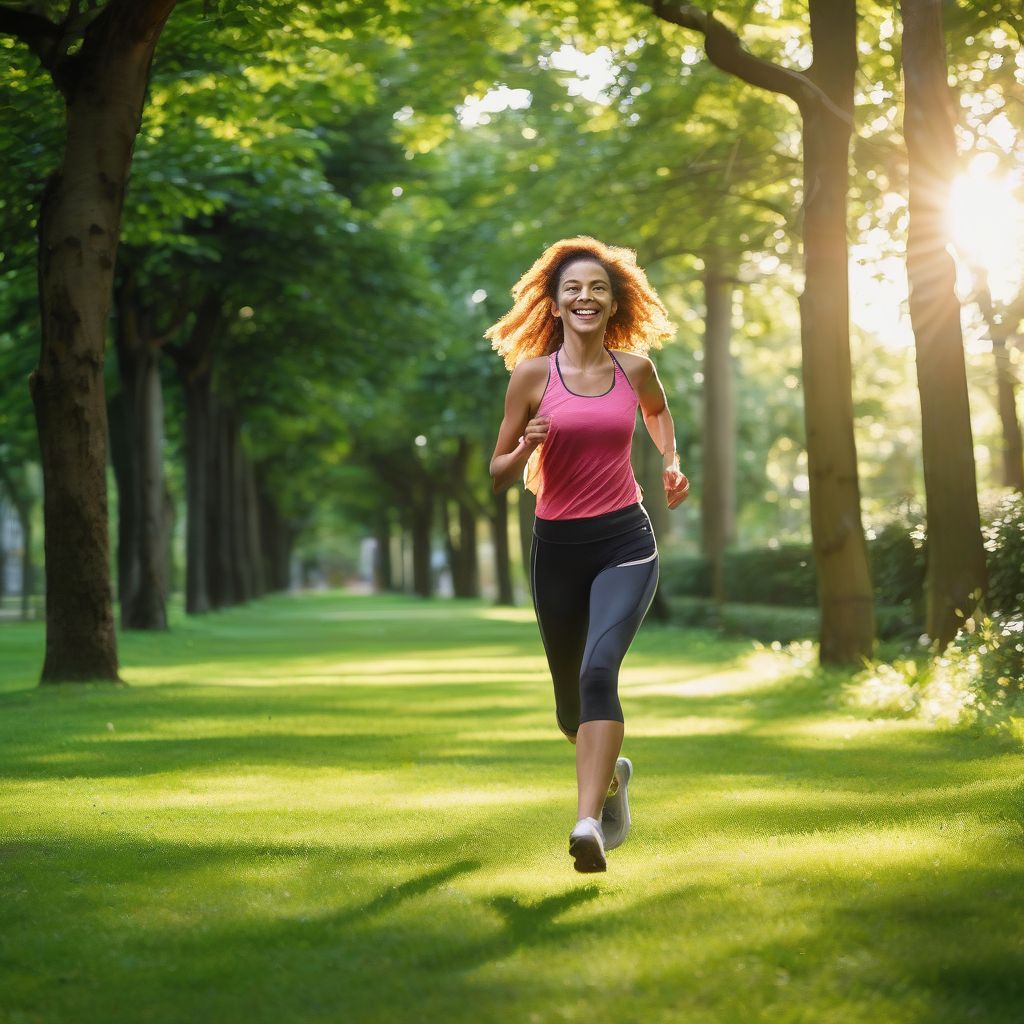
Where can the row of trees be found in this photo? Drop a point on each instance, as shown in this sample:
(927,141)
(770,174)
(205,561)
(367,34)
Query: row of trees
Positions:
(313,243)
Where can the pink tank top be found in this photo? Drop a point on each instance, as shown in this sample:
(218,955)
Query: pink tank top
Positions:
(584,461)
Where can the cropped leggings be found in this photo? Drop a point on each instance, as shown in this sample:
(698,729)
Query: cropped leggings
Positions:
(593,581)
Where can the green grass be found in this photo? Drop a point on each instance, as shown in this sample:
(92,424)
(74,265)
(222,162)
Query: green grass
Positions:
(330,808)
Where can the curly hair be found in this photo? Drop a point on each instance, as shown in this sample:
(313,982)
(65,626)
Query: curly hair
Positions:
(529,329)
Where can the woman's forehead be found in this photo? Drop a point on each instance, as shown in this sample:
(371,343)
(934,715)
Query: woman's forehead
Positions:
(584,270)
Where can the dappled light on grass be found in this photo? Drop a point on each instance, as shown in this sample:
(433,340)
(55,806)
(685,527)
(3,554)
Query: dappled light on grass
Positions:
(302,817)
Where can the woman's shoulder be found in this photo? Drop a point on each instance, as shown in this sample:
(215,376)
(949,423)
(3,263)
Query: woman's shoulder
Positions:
(534,367)
(636,366)
(630,358)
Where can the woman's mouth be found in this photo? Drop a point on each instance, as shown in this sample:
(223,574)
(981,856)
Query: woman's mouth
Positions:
(585,314)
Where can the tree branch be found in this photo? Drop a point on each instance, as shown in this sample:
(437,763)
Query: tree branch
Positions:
(39,34)
(726,52)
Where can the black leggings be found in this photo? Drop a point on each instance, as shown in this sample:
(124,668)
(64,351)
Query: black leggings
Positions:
(593,581)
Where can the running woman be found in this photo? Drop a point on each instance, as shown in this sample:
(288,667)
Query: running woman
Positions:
(575,339)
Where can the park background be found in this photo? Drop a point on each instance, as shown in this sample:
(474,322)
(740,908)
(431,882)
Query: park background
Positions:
(248,253)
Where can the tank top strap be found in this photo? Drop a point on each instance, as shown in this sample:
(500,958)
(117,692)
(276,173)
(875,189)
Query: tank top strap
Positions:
(619,369)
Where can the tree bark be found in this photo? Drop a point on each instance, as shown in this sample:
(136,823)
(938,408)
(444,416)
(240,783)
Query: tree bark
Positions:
(142,539)
(197,455)
(421,517)
(253,553)
(1002,325)
(277,538)
(383,577)
(825,98)
(718,481)
(840,548)
(193,363)
(104,85)
(502,561)
(240,568)
(27,568)
(219,574)
(956,556)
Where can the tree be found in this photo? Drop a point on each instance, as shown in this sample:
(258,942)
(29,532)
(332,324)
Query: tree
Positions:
(956,554)
(824,95)
(99,61)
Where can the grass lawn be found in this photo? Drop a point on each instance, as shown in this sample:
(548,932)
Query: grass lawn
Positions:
(354,809)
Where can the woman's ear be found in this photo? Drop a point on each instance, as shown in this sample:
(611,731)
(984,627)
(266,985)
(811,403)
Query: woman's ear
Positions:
(554,308)
(615,307)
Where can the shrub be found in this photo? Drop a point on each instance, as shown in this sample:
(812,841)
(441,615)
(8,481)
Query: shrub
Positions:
(897,561)
(1004,552)
(780,576)
(979,676)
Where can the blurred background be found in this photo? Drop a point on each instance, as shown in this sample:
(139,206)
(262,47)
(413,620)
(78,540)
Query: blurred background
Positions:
(328,205)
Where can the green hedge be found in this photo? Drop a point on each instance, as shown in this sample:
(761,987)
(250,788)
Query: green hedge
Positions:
(785,576)
(771,622)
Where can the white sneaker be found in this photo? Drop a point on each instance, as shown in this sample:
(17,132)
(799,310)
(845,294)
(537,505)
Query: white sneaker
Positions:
(586,845)
(615,820)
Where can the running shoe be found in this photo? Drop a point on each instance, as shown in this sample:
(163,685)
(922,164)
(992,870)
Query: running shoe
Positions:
(586,845)
(615,819)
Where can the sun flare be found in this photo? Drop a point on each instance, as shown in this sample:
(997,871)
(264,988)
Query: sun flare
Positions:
(986,221)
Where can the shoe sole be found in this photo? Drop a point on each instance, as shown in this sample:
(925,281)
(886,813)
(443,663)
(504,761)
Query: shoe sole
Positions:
(587,855)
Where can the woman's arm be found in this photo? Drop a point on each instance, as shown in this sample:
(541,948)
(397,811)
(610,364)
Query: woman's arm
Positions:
(658,421)
(519,434)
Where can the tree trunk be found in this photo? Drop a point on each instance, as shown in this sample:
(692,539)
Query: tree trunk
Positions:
(1006,400)
(718,479)
(1002,325)
(825,98)
(383,579)
(139,454)
(104,85)
(840,549)
(499,536)
(276,539)
(193,363)
(240,569)
(956,554)
(27,569)
(526,509)
(197,455)
(219,570)
(222,493)
(253,551)
(421,515)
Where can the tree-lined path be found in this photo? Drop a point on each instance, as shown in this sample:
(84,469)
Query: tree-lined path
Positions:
(326,807)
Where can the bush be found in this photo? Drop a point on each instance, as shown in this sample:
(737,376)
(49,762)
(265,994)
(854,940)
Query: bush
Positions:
(1004,552)
(783,576)
(896,553)
(978,677)
(786,576)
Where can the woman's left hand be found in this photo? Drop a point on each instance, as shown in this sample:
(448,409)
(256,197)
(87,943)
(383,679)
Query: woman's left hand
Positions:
(677,487)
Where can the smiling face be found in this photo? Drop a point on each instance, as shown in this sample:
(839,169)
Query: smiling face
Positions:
(584,297)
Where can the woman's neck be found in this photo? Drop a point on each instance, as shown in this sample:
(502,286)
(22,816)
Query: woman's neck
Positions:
(584,354)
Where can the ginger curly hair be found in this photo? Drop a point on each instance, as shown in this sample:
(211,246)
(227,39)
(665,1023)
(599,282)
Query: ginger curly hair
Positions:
(528,329)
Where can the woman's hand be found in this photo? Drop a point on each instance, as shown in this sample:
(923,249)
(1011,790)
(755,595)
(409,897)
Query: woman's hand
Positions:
(535,432)
(677,487)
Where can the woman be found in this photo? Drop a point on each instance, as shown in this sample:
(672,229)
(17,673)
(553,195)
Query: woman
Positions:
(584,315)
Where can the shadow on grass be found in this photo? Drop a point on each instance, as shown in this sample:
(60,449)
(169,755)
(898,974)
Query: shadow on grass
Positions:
(148,929)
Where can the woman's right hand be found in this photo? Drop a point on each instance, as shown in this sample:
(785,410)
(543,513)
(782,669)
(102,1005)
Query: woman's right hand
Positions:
(536,431)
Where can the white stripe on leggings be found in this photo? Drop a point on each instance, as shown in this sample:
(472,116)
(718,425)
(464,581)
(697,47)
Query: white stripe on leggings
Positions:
(639,561)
